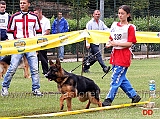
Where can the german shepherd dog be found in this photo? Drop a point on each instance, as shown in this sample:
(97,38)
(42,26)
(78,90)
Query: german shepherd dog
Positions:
(71,86)
(5,62)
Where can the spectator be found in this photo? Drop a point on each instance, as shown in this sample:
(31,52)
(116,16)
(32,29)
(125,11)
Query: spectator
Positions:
(23,24)
(122,36)
(45,24)
(60,25)
(95,24)
(4,18)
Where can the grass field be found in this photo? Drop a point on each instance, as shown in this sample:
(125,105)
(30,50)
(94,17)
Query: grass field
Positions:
(21,102)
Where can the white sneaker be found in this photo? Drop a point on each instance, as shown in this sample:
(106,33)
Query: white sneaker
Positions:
(4,91)
(36,92)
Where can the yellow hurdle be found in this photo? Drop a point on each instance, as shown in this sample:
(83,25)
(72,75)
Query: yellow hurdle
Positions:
(79,111)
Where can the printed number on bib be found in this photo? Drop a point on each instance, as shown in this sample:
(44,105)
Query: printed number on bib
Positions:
(117,36)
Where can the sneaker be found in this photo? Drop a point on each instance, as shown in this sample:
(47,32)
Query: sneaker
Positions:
(136,99)
(106,69)
(86,71)
(4,91)
(45,75)
(36,92)
(107,102)
(61,59)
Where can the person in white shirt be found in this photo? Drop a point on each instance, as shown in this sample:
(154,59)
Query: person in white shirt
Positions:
(95,24)
(45,24)
(21,25)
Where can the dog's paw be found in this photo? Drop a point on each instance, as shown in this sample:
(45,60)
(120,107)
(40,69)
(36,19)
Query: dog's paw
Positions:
(61,107)
(27,77)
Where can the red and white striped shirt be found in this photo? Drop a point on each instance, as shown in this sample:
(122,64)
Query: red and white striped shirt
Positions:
(24,25)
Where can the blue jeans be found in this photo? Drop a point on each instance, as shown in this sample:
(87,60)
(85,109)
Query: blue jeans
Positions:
(61,52)
(119,80)
(15,61)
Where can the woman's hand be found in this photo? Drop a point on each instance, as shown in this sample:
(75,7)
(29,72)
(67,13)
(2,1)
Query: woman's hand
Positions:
(108,45)
(113,43)
(116,44)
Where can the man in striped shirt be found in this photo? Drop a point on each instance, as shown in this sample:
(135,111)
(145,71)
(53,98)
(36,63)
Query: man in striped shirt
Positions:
(23,24)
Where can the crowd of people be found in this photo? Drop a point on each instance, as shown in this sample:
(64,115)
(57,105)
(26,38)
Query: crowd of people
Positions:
(24,24)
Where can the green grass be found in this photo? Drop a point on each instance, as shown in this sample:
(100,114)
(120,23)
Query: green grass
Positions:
(21,102)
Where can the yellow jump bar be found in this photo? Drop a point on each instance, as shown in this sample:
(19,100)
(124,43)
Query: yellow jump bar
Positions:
(79,111)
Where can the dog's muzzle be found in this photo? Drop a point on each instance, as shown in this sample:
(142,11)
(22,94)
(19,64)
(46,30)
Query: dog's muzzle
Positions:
(46,75)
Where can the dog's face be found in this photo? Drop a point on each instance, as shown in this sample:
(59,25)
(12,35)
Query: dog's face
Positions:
(55,71)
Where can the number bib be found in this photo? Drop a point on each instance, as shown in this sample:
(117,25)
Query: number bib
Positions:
(119,33)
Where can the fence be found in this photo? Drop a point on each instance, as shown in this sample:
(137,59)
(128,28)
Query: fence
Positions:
(146,10)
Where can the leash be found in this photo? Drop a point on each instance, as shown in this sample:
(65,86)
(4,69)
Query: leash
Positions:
(107,73)
(90,56)
(61,83)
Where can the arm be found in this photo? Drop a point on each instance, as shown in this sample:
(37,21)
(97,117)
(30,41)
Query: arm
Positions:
(66,26)
(10,27)
(125,45)
(105,27)
(11,24)
(38,26)
(88,27)
(108,44)
(47,28)
(47,32)
(53,28)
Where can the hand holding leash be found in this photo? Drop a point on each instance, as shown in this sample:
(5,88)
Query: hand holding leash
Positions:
(107,72)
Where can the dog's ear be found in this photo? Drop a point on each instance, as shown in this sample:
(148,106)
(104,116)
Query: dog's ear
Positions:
(58,62)
(50,62)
